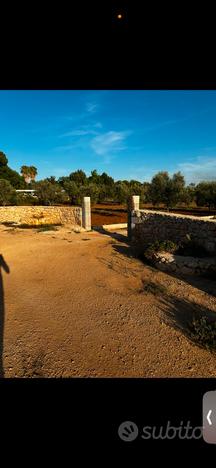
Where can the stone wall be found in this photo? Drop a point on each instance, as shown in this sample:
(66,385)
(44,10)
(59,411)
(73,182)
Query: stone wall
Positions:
(149,226)
(37,215)
(185,265)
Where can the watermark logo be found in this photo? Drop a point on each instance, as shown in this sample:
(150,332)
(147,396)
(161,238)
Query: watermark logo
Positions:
(128,431)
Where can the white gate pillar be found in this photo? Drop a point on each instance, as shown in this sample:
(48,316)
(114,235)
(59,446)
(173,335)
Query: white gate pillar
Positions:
(135,202)
(133,205)
(86,213)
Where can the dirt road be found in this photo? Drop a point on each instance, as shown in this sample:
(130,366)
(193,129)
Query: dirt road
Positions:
(75,305)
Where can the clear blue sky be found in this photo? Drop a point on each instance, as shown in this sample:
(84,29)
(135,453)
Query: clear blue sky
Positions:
(128,134)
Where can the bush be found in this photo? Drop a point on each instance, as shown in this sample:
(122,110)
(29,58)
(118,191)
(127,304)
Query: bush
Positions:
(160,246)
(203,332)
(50,194)
(188,247)
(24,199)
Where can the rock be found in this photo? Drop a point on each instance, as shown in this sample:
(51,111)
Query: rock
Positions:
(171,259)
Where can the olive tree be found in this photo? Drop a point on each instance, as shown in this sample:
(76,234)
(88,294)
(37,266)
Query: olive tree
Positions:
(7,193)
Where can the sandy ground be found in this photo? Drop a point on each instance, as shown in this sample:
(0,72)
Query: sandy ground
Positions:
(74,305)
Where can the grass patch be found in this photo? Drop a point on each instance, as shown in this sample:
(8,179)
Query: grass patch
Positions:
(48,227)
(203,332)
(42,227)
(33,366)
(153,288)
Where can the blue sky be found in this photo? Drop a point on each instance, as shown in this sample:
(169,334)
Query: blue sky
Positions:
(128,134)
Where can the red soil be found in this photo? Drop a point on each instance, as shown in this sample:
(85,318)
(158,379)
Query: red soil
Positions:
(114,213)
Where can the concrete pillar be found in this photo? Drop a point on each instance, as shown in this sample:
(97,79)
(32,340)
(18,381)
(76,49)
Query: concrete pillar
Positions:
(86,213)
(133,204)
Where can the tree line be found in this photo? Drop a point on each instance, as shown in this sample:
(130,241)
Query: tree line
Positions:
(163,188)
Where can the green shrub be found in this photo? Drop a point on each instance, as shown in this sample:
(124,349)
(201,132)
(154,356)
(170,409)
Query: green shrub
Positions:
(188,247)
(24,199)
(203,332)
(160,246)
(50,194)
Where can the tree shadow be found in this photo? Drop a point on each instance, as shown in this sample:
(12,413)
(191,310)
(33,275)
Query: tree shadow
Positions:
(126,250)
(115,235)
(203,283)
(5,267)
(180,313)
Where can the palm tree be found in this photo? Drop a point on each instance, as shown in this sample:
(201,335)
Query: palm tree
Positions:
(29,173)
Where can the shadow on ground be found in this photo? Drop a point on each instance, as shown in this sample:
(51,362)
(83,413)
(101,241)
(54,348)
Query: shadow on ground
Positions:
(180,313)
(115,235)
(5,267)
(203,283)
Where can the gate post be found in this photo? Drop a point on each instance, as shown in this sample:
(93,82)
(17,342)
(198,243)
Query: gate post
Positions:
(133,204)
(86,213)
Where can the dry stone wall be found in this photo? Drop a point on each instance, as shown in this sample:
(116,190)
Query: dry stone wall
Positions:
(39,215)
(149,226)
(185,265)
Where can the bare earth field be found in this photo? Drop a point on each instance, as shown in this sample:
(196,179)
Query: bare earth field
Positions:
(75,305)
(113,213)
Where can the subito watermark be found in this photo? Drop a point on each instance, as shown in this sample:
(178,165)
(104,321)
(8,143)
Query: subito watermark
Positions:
(128,431)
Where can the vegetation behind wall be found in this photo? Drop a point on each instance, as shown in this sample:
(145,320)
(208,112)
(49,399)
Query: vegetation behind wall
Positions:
(170,191)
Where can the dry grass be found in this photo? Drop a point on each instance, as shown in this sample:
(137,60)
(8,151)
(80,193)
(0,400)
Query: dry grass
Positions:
(152,288)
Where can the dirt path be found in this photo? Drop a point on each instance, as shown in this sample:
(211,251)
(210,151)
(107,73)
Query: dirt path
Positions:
(75,306)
